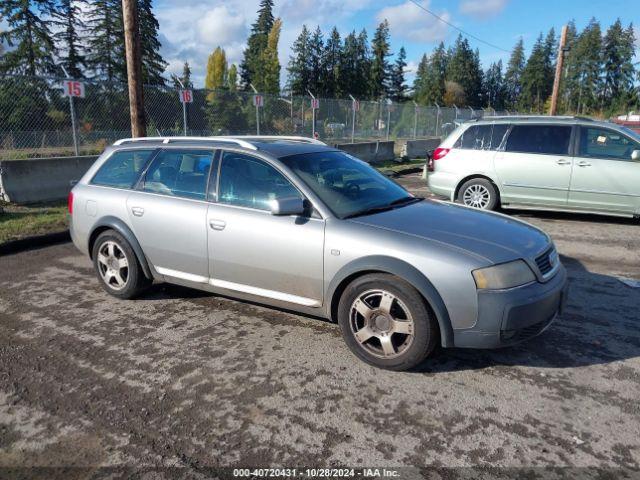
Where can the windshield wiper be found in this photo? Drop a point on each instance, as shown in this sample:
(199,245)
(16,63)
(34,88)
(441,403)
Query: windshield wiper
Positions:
(381,208)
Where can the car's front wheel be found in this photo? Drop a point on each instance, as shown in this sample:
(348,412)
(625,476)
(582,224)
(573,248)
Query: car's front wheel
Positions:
(478,193)
(117,266)
(385,322)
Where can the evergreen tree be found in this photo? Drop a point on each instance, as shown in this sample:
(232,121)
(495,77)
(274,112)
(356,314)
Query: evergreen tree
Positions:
(251,66)
(364,61)
(105,41)
(513,75)
(535,81)
(232,78)
(299,73)
(269,82)
(419,82)
(463,68)
(31,48)
(398,88)
(316,50)
(494,87)
(618,52)
(435,80)
(380,69)
(569,77)
(332,65)
(588,54)
(69,23)
(355,65)
(185,78)
(153,65)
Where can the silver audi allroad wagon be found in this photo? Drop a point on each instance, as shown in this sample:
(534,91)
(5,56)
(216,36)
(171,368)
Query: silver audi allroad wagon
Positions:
(292,223)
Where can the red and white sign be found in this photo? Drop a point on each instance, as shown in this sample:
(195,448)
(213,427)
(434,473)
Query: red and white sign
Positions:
(73,88)
(315,103)
(186,96)
(258,101)
(356,105)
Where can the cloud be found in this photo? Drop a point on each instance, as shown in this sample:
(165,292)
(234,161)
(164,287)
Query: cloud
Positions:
(482,9)
(410,22)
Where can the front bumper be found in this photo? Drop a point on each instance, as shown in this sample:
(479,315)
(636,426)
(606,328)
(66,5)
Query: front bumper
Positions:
(507,317)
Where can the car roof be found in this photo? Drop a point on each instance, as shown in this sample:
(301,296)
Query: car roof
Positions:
(543,119)
(276,146)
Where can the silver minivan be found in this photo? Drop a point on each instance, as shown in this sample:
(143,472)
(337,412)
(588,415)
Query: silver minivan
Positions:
(545,163)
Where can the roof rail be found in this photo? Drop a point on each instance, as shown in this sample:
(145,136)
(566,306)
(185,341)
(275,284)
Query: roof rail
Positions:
(278,137)
(536,117)
(239,142)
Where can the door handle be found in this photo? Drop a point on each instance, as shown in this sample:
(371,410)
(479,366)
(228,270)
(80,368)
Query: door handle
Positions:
(217,224)
(137,211)
(584,164)
(562,161)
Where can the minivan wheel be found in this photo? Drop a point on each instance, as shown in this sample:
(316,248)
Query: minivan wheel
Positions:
(117,266)
(478,193)
(386,322)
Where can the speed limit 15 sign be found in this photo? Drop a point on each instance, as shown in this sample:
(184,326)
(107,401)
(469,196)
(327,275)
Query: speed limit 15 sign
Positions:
(186,96)
(73,88)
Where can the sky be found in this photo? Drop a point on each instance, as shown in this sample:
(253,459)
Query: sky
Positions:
(192,29)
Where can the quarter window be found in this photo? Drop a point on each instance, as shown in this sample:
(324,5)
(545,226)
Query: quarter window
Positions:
(541,139)
(181,173)
(122,169)
(603,143)
(481,137)
(246,181)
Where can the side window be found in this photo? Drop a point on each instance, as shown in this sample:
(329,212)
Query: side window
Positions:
(122,169)
(497,135)
(476,137)
(541,139)
(181,173)
(604,143)
(246,181)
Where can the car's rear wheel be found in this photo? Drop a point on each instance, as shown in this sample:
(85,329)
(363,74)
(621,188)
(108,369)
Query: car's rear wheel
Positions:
(478,193)
(117,266)
(386,322)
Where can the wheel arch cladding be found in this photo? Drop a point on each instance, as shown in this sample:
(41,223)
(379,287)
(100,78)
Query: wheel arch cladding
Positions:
(471,177)
(113,223)
(399,268)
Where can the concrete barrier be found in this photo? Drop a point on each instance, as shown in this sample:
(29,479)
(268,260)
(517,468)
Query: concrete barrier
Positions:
(419,148)
(371,152)
(41,179)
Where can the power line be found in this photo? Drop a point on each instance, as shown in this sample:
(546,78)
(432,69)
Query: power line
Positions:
(417,4)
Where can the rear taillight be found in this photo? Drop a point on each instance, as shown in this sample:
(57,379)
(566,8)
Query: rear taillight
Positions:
(438,154)
(70,203)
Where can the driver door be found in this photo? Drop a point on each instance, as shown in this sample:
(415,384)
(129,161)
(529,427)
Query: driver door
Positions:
(252,251)
(604,176)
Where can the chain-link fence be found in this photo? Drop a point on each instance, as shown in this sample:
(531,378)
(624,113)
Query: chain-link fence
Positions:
(37,119)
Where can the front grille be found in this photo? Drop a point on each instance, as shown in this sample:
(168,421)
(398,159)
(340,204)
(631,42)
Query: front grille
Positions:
(526,332)
(545,261)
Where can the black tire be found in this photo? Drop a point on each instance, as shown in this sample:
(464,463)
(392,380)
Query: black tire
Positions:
(410,351)
(135,281)
(481,186)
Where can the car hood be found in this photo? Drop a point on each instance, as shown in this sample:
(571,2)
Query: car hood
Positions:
(495,237)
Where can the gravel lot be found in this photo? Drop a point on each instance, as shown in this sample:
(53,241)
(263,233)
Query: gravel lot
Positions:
(184,378)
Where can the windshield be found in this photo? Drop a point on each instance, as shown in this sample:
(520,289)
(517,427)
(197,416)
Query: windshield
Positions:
(632,133)
(348,186)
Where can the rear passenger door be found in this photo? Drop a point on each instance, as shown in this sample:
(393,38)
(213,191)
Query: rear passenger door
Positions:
(474,150)
(534,167)
(168,212)
(605,177)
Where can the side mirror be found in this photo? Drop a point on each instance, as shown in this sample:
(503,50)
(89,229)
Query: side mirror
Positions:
(635,155)
(287,206)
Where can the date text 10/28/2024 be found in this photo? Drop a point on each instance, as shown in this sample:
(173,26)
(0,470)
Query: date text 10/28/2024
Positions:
(316,472)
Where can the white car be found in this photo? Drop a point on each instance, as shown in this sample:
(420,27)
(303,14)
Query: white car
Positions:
(544,163)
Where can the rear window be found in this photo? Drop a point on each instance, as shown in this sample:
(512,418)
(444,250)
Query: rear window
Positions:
(541,139)
(481,137)
(122,169)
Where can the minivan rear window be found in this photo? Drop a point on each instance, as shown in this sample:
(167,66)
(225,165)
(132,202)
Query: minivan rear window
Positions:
(481,137)
(541,139)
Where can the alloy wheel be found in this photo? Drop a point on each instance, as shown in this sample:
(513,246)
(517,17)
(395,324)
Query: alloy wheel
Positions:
(113,265)
(477,196)
(381,324)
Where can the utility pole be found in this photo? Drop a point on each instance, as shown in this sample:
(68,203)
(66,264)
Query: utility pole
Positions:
(134,67)
(556,81)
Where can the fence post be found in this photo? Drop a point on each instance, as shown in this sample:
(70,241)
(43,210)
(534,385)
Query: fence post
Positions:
(454,106)
(415,120)
(437,118)
(353,119)
(73,125)
(313,116)
(257,111)
(389,103)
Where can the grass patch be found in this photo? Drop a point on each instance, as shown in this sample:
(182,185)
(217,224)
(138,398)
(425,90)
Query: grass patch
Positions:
(394,166)
(18,222)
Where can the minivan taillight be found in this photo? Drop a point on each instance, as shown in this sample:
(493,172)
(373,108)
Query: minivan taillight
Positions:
(437,154)
(70,203)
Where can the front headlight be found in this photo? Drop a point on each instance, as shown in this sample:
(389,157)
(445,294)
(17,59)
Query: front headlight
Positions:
(505,275)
